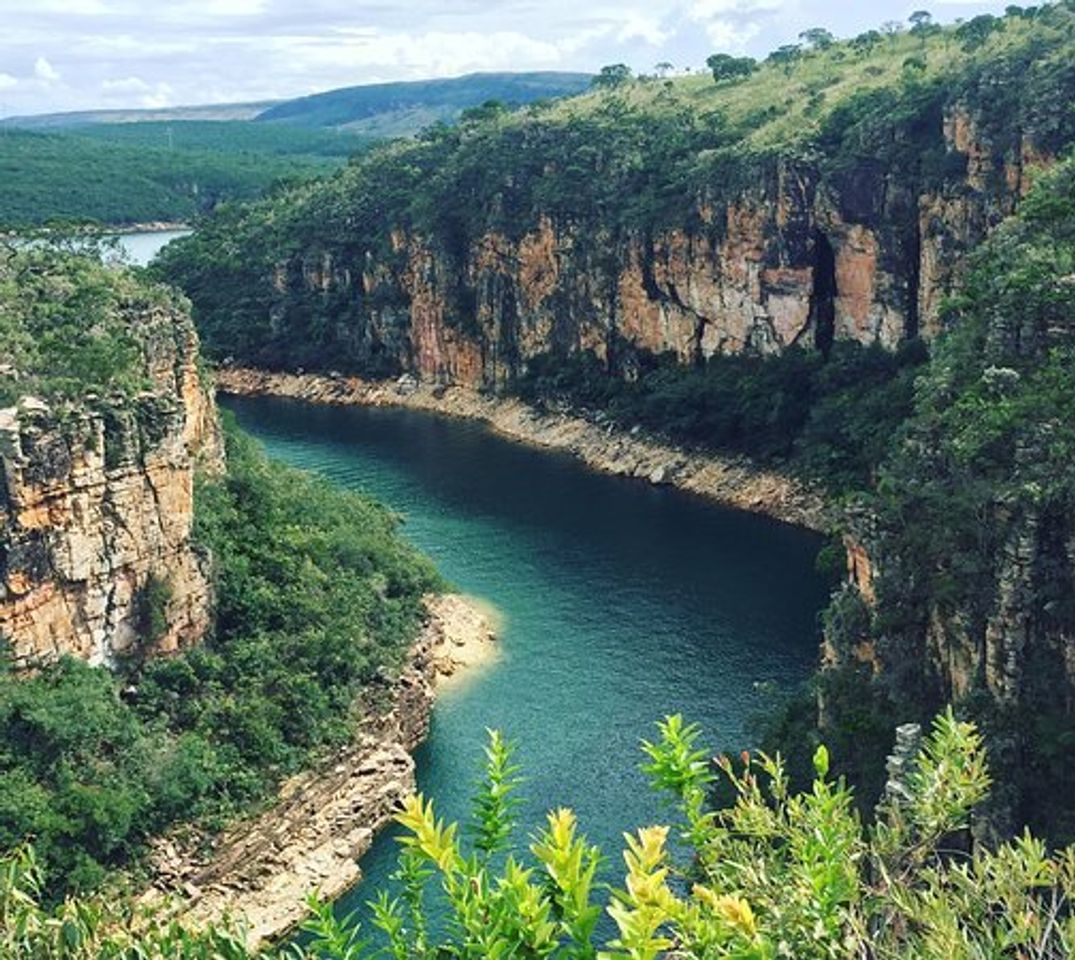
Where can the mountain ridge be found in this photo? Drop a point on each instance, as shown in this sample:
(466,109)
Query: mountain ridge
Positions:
(444,96)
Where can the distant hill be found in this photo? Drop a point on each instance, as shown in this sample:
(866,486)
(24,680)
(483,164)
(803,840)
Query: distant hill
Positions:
(82,118)
(123,166)
(402,109)
(378,110)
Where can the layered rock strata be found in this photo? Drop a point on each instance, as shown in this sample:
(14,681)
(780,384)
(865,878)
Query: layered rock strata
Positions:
(805,255)
(96,512)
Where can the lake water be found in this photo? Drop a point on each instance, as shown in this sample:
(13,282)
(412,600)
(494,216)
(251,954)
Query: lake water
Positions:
(621,603)
(140,248)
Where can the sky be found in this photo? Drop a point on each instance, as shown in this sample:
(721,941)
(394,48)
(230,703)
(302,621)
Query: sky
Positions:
(58,55)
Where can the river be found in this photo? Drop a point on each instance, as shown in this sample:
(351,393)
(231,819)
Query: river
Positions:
(621,603)
(140,248)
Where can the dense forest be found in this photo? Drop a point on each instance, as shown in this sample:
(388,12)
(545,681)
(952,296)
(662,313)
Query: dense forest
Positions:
(141,173)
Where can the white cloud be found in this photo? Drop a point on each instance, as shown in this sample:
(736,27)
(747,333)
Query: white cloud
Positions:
(126,85)
(45,71)
(646,28)
(7,81)
(704,9)
(726,36)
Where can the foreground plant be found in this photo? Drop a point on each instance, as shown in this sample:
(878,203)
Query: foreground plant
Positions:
(774,874)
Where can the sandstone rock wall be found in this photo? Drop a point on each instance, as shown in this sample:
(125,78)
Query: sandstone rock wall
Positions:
(96,510)
(802,256)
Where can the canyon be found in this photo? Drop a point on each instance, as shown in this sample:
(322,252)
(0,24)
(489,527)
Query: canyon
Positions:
(804,255)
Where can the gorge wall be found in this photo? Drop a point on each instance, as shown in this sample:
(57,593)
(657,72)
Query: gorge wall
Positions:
(961,563)
(96,511)
(803,255)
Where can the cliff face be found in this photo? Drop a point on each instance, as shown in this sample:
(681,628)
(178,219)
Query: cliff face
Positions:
(961,564)
(96,510)
(804,255)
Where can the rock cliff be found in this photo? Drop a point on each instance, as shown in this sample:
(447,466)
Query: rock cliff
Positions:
(96,510)
(802,255)
(961,565)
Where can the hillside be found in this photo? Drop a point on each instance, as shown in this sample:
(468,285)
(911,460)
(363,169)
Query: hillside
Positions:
(762,264)
(387,110)
(128,174)
(179,631)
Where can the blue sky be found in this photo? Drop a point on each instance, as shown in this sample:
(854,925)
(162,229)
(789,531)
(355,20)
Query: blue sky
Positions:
(77,54)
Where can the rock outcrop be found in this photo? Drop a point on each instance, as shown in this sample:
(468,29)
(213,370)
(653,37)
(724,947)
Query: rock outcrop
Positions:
(96,511)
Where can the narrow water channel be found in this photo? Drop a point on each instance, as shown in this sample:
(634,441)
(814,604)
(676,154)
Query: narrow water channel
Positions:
(621,603)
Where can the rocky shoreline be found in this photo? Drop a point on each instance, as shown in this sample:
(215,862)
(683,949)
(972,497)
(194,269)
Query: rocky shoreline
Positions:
(261,871)
(731,481)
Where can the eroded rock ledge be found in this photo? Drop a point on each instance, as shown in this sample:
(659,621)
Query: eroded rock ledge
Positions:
(261,871)
(732,481)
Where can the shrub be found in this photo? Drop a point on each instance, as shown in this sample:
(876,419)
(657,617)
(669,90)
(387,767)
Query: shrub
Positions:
(776,873)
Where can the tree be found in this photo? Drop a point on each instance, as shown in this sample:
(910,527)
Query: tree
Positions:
(663,68)
(817,38)
(920,18)
(977,30)
(785,55)
(866,42)
(489,110)
(726,67)
(613,76)
(892,28)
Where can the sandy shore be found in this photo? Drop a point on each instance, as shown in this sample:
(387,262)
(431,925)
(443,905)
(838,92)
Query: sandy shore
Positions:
(732,481)
(259,872)
(468,630)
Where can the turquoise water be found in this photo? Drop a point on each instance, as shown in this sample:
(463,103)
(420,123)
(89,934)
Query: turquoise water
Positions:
(621,603)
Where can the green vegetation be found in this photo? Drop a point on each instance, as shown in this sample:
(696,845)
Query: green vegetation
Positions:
(116,176)
(386,110)
(316,596)
(773,874)
(65,322)
(830,418)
